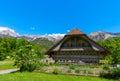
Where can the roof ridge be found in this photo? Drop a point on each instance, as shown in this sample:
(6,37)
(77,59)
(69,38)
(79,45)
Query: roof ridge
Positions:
(75,31)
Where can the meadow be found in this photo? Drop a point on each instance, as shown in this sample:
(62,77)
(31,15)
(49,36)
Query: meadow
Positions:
(32,76)
(7,64)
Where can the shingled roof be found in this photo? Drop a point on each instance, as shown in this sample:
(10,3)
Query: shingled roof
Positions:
(95,46)
(75,31)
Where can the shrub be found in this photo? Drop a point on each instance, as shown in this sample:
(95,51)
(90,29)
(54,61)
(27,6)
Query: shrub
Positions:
(92,66)
(82,66)
(71,66)
(84,71)
(57,64)
(116,72)
(113,73)
(69,71)
(106,68)
(77,71)
(55,70)
(97,66)
(45,64)
(28,67)
(51,64)
(102,74)
(90,72)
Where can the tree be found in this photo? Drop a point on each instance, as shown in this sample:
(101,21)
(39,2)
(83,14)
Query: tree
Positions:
(4,47)
(114,46)
(27,57)
(2,53)
(116,57)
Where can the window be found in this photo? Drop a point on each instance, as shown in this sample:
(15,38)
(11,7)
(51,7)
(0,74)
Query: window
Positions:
(79,43)
(83,44)
(75,42)
(86,44)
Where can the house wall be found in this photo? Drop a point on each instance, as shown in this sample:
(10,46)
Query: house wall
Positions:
(77,57)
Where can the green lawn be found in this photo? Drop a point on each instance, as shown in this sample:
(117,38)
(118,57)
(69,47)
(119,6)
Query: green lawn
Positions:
(7,64)
(26,76)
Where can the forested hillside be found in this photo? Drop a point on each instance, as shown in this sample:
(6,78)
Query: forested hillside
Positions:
(44,43)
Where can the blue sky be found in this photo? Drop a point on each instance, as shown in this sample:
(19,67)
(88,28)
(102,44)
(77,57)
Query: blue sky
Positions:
(58,16)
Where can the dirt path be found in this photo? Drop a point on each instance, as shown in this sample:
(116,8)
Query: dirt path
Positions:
(8,71)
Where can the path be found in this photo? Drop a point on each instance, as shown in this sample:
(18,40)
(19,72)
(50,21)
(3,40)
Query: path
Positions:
(8,71)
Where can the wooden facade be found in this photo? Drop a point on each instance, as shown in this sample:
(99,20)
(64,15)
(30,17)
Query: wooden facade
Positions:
(77,48)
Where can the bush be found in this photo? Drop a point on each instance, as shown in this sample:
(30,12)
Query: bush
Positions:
(106,68)
(69,71)
(77,71)
(90,72)
(116,72)
(97,66)
(55,71)
(28,67)
(51,64)
(57,64)
(71,66)
(45,64)
(82,66)
(113,73)
(84,71)
(103,74)
(91,66)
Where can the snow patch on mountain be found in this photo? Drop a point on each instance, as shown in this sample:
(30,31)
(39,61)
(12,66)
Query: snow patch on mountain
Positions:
(5,31)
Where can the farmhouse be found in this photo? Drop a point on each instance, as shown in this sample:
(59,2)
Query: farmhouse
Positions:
(77,48)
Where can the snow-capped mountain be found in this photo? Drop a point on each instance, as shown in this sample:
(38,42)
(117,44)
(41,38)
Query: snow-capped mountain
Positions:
(55,37)
(51,37)
(4,31)
(101,35)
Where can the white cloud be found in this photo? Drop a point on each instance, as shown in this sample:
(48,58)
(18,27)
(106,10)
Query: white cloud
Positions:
(68,30)
(32,28)
(54,34)
(5,28)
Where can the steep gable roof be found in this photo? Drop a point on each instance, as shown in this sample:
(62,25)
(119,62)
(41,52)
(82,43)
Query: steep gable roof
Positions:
(95,46)
(75,31)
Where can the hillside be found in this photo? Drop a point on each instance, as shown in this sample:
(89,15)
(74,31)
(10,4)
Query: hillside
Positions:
(43,42)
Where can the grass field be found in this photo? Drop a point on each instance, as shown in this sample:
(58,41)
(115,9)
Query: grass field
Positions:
(26,76)
(7,64)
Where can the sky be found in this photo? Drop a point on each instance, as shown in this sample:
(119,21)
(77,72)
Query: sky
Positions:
(59,16)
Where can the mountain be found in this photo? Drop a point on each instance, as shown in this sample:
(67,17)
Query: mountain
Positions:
(4,31)
(43,42)
(50,37)
(102,35)
(99,35)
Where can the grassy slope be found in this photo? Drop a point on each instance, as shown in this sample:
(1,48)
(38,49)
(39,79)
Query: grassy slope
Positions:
(6,65)
(26,76)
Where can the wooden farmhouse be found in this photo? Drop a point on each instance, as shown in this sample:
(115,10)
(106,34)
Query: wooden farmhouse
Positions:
(77,48)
